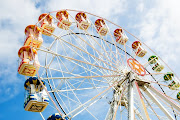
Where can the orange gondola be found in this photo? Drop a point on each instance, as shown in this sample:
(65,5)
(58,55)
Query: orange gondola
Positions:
(29,63)
(64,22)
(33,36)
(101,27)
(120,36)
(83,22)
(138,49)
(47,25)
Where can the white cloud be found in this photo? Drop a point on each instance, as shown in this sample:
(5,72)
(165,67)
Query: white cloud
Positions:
(103,8)
(14,17)
(159,28)
(140,7)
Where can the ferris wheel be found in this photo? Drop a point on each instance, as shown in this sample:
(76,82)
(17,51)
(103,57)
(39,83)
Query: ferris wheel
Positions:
(90,68)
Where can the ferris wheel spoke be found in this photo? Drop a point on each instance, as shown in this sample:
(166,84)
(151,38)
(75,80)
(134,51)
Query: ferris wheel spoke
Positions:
(60,61)
(91,47)
(117,51)
(69,58)
(94,97)
(42,116)
(87,77)
(68,97)
(157,83)
(77,65)
(83,58)
(60,71)
(92,101)
(99,57)
(79,89)
(77,82)
(136,112)
(69,74)
(69,84)
(63,102)
(87,33)
(93,56)
(53,84)
(113,45)
(93,84)
(102,46)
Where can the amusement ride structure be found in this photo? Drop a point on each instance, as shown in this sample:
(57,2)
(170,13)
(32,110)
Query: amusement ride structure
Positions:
(90,68)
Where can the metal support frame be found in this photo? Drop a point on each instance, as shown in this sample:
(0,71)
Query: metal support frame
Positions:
(113,107)
(165,98)
(130,97)
(140,101)
(114,103)
(148,92)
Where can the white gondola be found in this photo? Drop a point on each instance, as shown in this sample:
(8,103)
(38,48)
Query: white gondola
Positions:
(36,99)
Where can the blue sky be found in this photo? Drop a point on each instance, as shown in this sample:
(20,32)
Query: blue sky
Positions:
(156,23)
